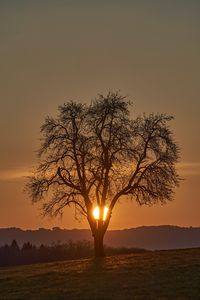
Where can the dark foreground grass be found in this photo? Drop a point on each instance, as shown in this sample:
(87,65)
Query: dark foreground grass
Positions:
(173,274)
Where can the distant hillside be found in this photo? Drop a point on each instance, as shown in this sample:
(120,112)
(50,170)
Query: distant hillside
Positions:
(148,237)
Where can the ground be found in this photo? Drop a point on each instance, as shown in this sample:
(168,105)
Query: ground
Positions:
(159,275)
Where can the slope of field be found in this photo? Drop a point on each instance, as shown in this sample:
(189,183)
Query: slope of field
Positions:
(173,274)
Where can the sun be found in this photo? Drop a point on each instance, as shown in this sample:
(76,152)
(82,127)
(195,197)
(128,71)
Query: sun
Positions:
(96,213)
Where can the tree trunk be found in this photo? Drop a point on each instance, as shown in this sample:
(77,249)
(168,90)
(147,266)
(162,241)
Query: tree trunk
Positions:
(98,229)
(98,245)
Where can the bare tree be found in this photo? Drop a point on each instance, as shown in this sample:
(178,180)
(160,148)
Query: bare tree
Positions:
(91,156)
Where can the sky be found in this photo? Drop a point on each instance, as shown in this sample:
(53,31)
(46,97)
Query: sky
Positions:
(55,51)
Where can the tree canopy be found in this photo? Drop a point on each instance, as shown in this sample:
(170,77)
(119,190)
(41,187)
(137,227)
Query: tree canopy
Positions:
(93,155)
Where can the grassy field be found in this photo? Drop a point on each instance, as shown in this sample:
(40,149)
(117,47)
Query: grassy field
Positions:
(173,274)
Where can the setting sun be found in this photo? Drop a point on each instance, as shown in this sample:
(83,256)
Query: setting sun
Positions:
(96,213)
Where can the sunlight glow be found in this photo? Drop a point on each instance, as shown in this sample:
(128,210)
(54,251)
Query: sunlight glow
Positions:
(96,213)
(105,212)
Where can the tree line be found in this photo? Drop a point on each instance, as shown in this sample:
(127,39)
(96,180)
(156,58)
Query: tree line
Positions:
(13,254)
(29,254)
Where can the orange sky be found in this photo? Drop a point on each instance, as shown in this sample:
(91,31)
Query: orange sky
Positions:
(55,51)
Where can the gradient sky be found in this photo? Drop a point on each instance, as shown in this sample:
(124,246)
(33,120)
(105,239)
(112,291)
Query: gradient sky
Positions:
(54,51)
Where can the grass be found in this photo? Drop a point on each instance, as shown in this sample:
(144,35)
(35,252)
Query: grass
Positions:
(172,274)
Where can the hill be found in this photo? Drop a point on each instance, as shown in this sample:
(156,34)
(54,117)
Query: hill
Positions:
(172,274)
(147,237)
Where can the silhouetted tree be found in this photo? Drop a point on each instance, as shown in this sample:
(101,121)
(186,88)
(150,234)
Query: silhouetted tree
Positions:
(27,247)
(15,246)
(94,155)
(4,255)
(14,253)
(29,253)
